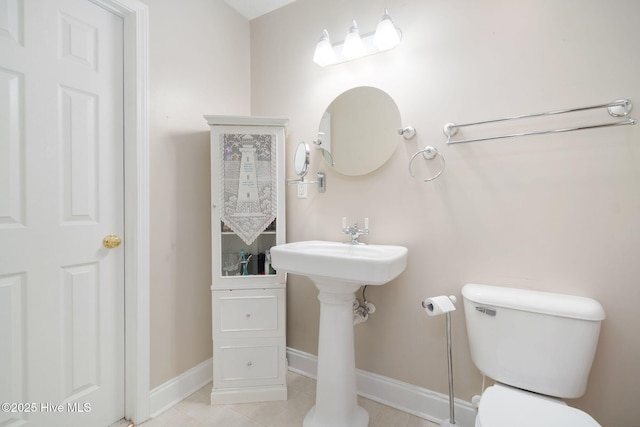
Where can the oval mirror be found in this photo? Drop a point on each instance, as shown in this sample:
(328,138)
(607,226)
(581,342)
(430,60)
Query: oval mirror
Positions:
(359,130)
(301,159)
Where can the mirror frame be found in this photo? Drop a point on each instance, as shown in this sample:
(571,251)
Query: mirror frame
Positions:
(302,155)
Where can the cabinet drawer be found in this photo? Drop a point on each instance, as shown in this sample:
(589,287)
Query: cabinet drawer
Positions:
(241,363)
(254,312)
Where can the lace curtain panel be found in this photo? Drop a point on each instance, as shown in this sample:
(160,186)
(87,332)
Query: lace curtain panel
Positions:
(248,179)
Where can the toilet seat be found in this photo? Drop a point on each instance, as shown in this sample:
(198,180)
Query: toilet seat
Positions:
(504,406)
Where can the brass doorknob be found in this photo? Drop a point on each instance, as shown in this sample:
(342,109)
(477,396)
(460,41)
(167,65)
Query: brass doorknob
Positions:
(111,241)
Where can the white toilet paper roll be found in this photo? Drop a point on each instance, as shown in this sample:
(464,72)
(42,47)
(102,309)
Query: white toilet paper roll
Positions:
(435,306)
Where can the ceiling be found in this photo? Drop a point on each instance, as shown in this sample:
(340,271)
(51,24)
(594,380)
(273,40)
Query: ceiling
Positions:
(254,8)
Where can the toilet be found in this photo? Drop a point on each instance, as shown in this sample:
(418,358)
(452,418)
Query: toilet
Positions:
(538,347)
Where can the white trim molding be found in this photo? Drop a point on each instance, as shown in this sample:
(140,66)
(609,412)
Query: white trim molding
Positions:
(135,16)
(176,389)
(418,401)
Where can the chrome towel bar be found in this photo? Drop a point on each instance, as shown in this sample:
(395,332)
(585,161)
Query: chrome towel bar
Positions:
(618,108)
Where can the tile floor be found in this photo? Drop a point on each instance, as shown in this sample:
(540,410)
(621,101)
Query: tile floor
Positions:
(195,411)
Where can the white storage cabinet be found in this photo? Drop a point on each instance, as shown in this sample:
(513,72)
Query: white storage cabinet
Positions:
(247,217)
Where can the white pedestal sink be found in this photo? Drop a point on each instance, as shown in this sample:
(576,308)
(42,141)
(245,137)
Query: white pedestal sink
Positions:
(338,270)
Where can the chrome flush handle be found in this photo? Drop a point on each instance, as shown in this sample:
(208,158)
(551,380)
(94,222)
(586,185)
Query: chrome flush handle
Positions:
(486,310)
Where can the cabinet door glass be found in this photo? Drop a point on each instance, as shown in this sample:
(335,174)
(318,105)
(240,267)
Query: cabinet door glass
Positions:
(242,259)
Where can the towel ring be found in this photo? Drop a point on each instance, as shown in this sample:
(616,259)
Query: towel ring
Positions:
(428,153)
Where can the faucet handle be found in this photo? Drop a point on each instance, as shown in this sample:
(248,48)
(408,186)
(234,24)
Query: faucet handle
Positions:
(349,229)
(354,231)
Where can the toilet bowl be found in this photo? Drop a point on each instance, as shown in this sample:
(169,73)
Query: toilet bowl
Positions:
(505,406)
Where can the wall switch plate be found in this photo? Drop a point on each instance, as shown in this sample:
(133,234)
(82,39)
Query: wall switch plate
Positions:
(302,190)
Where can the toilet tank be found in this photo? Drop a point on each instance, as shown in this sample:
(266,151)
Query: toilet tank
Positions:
(538,341)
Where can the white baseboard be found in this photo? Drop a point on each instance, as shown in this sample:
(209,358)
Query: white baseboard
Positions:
(415,400)
(176,389)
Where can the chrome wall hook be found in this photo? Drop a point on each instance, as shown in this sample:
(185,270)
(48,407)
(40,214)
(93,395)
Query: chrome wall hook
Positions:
(408,132)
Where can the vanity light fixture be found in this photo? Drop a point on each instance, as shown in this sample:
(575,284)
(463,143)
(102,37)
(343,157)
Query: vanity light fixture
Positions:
(324,54)
(353,47)
(387,36)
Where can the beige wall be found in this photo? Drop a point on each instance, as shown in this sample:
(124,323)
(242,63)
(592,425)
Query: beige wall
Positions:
(557,213)
(199,64)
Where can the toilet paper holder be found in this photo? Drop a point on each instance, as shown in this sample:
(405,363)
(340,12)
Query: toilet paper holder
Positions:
(445,305)
(435,306)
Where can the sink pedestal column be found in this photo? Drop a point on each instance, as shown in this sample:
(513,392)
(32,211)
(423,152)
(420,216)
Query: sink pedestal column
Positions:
(336,397)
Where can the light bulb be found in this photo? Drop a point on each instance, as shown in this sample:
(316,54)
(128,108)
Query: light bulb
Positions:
(324,53)
(353,47)
(387,35)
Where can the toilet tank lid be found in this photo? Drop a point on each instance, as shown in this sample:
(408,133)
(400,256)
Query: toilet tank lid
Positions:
(561,305)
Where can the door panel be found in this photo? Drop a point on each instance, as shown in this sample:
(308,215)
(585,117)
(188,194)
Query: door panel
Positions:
(11,148)
(61,192)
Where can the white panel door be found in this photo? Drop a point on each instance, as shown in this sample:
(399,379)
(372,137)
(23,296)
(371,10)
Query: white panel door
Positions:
(61,192)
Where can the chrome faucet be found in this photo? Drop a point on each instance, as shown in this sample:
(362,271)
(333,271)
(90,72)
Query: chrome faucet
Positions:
(354,231)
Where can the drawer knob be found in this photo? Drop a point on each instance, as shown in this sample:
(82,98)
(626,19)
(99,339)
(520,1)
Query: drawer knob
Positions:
(248,315)
(249,363)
